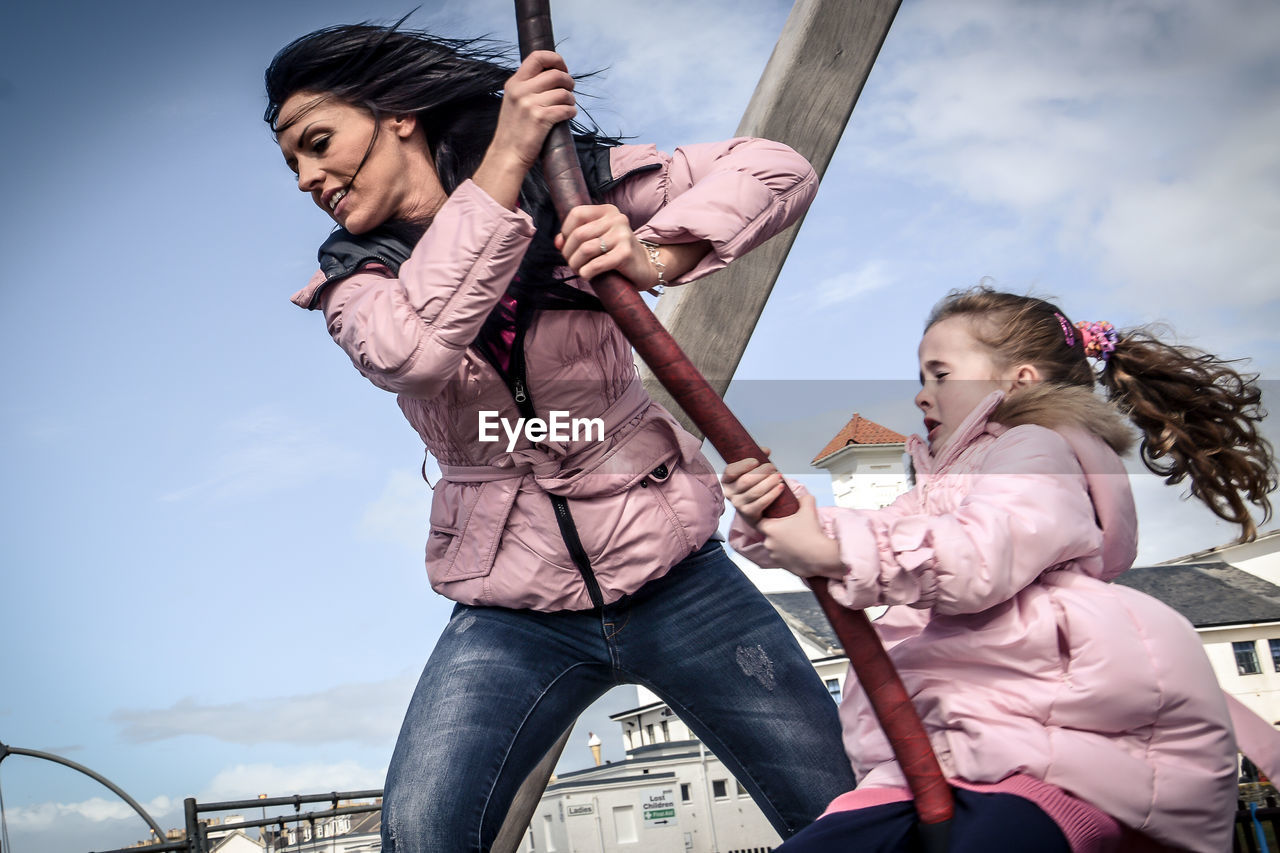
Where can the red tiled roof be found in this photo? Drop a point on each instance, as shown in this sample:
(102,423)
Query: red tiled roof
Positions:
(859,430)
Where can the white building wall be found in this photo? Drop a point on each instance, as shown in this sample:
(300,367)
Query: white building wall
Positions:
(832,671)
(235,843)
(867,476)
(710,813)
(652,723)
(1260,691)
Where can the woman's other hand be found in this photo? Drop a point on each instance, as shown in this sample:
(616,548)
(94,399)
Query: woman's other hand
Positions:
(596,238)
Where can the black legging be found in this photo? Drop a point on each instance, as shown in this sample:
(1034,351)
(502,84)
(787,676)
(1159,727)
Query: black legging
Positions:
(983,823)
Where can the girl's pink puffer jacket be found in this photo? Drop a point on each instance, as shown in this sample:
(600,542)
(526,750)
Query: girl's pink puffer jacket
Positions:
(644,497)
(1018,654)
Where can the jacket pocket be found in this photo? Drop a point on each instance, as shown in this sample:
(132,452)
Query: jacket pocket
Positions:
(467,520)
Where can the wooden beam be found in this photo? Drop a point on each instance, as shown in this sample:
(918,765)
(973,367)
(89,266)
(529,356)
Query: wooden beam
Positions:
(527,798)
(804,98)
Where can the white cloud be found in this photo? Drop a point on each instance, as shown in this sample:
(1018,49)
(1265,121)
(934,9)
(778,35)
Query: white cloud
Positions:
(1214,231)
(44,816)
(1136,134)
(661,71)
(401,513)
(1170,522)
(265,452)
(248,780)
(685,70)
(99,823)
(849,286)
(367,713)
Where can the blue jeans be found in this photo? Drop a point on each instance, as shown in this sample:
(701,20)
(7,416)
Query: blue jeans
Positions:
(502,685)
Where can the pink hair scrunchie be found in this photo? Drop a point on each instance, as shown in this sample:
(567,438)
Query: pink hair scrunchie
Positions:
(1099,338)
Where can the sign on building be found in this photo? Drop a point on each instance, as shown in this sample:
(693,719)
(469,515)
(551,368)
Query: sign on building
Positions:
(658,807)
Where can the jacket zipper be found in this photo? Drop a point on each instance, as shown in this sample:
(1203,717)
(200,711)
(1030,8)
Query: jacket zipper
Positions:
(568,530)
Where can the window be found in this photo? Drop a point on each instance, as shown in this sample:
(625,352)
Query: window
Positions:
(649,730)
(546,833)
(1246,658)
(624,824)
(686,792)
(1275,654)
(833,687)
(720,788)
(742,792)
(666,732)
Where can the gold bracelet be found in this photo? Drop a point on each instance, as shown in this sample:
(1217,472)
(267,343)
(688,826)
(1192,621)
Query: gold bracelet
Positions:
(659,266)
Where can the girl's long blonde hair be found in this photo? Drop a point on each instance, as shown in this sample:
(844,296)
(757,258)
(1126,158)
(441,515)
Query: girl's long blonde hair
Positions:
(1197,415)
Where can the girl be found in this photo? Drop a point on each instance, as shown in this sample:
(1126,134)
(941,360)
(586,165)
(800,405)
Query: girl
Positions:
(1068,713)
(578,561)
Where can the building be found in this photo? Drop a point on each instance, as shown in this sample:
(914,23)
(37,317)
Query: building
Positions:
(672,795)
(1257,557)
(345,833)
(234,842)
(1235,608)
(867,464)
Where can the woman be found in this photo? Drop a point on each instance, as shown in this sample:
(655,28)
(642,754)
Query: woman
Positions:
(578,560)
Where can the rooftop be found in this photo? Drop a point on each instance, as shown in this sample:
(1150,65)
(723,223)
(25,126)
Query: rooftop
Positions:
(1208,594)
(802,612)
(1263,539)
(861,431)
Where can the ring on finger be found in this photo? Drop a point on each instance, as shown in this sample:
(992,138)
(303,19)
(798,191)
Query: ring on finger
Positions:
(604,247)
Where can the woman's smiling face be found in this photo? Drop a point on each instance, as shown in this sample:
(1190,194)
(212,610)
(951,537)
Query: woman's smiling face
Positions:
(360,171)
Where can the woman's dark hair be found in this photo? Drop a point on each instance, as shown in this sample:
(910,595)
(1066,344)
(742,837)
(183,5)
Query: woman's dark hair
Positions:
(452,86)
(1198,416)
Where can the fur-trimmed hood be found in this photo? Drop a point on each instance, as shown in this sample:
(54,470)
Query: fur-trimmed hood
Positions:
(1066,407)
(1092,428)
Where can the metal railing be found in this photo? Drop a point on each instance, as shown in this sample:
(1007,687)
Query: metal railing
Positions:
(198,831)
(1257,827)
(1262,818)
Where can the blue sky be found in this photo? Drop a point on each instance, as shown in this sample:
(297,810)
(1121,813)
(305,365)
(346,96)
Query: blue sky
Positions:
(212,530)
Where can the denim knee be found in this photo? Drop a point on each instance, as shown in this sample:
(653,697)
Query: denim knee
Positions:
(416,819)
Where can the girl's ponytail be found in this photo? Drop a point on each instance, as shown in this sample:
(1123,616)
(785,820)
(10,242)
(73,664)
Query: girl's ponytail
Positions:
(1199,419)
(1197,415)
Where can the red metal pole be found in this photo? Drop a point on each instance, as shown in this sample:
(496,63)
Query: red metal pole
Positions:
(871,664)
